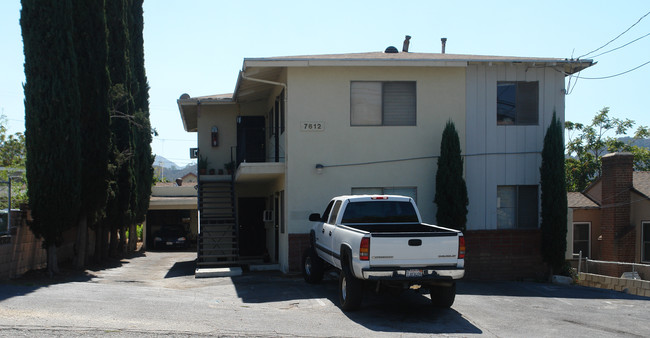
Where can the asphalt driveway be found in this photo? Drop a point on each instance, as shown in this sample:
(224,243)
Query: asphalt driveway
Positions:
(156,294)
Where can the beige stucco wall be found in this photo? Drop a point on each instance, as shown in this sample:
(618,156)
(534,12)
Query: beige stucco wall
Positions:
(591,216)
(322,94)
(224,117)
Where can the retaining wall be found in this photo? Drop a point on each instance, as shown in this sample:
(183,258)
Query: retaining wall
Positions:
(631,286)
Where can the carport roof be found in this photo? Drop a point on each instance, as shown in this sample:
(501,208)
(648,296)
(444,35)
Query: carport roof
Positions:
(173,203)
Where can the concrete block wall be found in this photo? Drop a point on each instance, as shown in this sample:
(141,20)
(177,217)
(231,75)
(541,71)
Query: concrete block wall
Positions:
(504,255)
(298,243)
(491,254)
(631,286)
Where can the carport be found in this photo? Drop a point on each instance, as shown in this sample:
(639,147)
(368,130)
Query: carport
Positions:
(171,204)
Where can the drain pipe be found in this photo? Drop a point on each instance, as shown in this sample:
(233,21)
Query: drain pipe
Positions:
(284,85)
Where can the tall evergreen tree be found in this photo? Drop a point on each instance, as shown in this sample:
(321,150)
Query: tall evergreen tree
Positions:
(91,47)
(141,128)
(554,197)
(451,191)
(122,196)
(52,131)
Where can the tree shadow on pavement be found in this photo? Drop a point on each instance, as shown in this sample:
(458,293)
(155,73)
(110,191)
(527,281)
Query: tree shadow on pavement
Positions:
(35,279)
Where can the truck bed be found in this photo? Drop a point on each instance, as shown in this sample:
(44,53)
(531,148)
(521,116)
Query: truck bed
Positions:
(400,228)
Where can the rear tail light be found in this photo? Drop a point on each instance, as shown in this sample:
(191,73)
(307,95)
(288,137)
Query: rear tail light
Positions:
(364,249)
(461,247)
(379,198)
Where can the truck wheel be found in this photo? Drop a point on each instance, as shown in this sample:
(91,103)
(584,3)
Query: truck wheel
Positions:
(312,267)
(350,291)
(443,296)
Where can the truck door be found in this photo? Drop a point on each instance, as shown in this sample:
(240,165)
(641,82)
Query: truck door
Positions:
(322,241)
(329,227)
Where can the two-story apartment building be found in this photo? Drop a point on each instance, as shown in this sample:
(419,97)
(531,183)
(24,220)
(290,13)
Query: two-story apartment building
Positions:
(303,129)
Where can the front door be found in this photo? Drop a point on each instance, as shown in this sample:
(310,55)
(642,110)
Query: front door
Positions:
(252,234)
(251,136)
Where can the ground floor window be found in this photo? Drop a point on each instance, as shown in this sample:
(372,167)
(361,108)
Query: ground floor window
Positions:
(646,241)
(517,207)
(581,238)
(411,192)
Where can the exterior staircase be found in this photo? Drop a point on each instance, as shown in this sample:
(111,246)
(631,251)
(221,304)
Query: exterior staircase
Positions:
(217,244)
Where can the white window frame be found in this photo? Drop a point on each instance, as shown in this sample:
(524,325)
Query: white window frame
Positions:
(520,119)
(369,106)
(517,208)
(584,254)
(643,225)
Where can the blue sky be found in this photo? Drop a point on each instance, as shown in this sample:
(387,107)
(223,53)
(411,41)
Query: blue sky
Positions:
(197,47)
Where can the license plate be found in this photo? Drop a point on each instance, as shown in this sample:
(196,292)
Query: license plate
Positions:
(170,243)
(414,273)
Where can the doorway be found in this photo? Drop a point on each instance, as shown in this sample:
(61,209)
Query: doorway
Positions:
(251,136)
(252,233)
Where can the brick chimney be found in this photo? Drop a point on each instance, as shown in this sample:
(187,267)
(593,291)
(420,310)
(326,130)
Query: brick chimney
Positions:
(619,236)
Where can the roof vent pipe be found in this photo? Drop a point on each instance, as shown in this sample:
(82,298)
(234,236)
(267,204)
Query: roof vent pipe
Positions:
(405,47)
(444,44)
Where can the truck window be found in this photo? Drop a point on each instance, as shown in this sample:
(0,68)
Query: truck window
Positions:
(335,212)
(379,212)
(327,211)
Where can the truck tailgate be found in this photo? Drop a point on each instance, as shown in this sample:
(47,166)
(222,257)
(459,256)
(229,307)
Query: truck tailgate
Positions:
(413,249)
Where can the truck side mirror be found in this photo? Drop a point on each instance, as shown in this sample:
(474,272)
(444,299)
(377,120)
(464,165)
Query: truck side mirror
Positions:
(314,218)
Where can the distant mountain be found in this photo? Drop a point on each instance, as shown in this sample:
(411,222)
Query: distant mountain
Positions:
(640,143)
(160,161)
(178,173)
(170,174)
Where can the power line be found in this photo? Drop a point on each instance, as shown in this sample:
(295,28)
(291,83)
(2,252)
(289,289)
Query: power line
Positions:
(618,36)
(615,75)
(617,48)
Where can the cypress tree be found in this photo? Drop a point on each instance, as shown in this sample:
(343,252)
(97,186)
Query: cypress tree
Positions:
(554,197)
(451,191)
(52,109)
(121,197)
(141,128)
(91,47)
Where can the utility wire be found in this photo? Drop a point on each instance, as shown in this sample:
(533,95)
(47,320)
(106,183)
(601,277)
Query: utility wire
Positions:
(615,75)
(618,36)
(617,48)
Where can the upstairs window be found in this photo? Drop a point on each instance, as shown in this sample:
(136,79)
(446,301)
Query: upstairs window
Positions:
(382,103)
(517,103)
(517,207)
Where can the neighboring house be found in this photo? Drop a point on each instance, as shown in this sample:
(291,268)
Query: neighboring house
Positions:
(189,178)
(303,129)
(611,218)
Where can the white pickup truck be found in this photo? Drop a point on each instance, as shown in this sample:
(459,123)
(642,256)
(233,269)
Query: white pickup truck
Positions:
(381,240)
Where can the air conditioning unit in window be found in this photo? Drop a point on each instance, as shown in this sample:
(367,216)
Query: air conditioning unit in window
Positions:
(268,215)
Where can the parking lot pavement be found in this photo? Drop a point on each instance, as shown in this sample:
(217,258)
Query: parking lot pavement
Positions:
(156,294)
